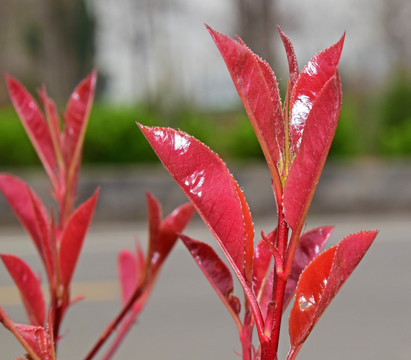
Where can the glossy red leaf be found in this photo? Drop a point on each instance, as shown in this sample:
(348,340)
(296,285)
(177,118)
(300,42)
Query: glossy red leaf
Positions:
(320,282)
(292,59)
(76,119)
(307,166)
(211,188)
(258,89)
(216,272)
(127,269)
(312,79)
(309,246)
(34,124)
(73,238)
(24,202)
(29,287)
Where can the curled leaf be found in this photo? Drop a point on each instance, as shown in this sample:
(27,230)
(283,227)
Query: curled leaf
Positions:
(321,281)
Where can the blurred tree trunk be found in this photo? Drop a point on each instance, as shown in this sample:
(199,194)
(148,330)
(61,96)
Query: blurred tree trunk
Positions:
(256,26)
(47,41)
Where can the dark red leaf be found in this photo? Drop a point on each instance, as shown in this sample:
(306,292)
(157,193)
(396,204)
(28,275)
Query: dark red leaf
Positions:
(127,269)
(320,282)
(34,124)
(76,119)
(309,246)
(216,272)
(211,188)
(258,89)
(29,288)
(73,238)
(307,166)
(262,261)
(292,59)
(318,71)
(23,200)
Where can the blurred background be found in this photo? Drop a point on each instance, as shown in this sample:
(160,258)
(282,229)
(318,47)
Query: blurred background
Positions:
(158,65)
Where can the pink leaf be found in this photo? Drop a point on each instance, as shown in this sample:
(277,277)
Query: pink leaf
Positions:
(73,238)
(321,281)
(258,89)
(309,246)
(24,202)
(292,59)
(216,272)
(307,166)
(208,184)
(29,288)
(76,119)
(34,124)
(318,71)
(127,269)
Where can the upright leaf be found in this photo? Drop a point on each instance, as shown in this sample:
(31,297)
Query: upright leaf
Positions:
(23,200)
(309,246)
(292,59)
(258,89)
(320,282)
(127,270)
(76,119)
(307,166)
(318,71)
(211,188)
(216,272)
(29,288)
(73,238)
(34,124)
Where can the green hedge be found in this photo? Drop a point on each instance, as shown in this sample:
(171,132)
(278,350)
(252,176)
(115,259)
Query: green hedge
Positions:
(369,125)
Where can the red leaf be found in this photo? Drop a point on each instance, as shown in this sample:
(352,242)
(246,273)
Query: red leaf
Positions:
(318,71)
(34,124)
(262,261)
(320,282)
(292,59)
(127,269)
(307,166)
(309,246)
(258,89)
(29,287)
(23,200)
(38,339)
(73,238)
(216,272)
(76,119)
(208,184)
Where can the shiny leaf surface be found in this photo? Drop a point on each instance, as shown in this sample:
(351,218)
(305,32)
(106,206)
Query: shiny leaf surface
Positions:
(29,288)
(34,124)
(73,238)
(76,119)
(320,282)
(312,79)
(257,87)
(216,272)
(309,246)
(307,166)
(211,188)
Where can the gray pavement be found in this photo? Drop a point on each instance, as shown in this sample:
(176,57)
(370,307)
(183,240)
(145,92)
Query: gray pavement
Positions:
(369,319)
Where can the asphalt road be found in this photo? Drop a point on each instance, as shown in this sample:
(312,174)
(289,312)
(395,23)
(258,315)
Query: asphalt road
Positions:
(369,319)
